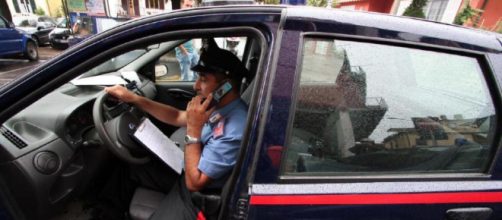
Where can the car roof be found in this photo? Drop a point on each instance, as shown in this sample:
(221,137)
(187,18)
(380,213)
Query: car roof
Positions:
(405,28)
(395,27)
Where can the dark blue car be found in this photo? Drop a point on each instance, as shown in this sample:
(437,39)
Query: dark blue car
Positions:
(352,115)
(15,43)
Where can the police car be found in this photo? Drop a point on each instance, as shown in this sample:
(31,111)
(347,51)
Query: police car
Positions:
(352,115)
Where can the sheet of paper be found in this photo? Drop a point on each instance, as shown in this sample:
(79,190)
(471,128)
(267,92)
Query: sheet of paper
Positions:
(102,80)
(160,144)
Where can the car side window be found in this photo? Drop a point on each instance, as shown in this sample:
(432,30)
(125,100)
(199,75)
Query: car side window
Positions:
(2,23)
(175,65)
(373,109)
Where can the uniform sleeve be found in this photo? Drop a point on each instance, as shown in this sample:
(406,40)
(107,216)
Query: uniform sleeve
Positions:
(220,154)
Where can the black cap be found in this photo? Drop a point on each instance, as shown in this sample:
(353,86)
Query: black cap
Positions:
(216,60)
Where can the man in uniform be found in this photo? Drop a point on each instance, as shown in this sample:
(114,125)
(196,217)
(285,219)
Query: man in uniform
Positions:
(213,133)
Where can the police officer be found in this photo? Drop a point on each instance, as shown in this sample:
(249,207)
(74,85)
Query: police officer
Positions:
(214,125)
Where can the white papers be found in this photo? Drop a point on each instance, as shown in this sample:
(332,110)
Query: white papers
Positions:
(102,80)
(160,145)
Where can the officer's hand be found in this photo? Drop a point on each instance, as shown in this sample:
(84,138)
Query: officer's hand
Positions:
(121,93)
(198,114)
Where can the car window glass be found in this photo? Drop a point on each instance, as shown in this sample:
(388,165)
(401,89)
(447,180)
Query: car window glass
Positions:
(377,109)
(24,22)
(115,63)
(62,24)
(175,65)
(2,23)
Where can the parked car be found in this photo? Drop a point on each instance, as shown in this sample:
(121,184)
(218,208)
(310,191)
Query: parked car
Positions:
(16,43)
(38,27)
(59,36)
(352,115)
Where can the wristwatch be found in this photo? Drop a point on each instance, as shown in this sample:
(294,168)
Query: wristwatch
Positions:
(191,140)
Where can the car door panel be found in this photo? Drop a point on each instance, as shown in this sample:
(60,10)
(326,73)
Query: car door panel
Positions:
(10,41)
(176,94)
(275,194)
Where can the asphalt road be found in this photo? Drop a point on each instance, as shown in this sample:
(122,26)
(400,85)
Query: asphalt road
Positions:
(13,68)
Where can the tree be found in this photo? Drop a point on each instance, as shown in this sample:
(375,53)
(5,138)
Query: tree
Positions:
(321,3)
(467,14)
(270,2)
(39,11)
(416,9)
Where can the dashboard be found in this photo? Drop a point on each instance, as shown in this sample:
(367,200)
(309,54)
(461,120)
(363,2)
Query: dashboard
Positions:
(51,151)
(78,123)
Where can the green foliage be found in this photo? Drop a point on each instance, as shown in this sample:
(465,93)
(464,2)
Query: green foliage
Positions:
(322,3)
(58,12)
(466,14)
(271,2)
(39,11)
(416,9)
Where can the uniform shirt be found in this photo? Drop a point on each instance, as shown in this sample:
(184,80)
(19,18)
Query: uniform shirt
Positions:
(221,139)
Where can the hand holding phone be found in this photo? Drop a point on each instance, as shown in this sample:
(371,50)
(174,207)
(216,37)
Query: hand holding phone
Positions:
(219,93)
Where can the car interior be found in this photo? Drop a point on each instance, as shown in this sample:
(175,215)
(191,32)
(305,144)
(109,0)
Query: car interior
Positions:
(56,153)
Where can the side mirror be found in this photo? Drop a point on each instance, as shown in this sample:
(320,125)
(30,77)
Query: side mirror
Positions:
(161,70)
(11,25)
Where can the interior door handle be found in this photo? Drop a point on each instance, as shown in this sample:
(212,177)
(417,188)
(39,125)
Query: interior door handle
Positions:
(472,213)
(179,93)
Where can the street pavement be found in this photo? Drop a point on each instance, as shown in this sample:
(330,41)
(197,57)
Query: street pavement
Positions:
(13,68)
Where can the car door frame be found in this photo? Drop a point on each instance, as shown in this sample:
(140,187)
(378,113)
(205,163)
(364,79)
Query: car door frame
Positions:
(54,73)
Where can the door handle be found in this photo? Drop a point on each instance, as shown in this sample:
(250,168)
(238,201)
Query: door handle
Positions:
(180,93)
(472,213)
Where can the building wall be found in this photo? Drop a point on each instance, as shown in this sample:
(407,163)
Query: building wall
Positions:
(53,6)
(492,14)
(382,6)
(476,3)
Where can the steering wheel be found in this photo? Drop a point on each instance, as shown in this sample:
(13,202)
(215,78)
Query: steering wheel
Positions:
(115,122)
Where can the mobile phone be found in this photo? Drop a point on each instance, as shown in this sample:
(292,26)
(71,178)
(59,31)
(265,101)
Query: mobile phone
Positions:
(218,94)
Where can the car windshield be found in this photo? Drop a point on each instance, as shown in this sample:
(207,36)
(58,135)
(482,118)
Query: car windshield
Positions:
(25,22)
(62,24)
(115,63)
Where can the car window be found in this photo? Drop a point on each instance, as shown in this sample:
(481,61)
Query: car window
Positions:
(2,23)
(62,24)
(25,22)
(115,63)
(175,65)
(364,108)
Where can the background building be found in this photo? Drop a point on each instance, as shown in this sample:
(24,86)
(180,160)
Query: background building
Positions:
(382,6)
(490,16)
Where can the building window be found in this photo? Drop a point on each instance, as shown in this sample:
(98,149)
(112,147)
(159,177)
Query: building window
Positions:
(435,9)
(378,109)
(155,4)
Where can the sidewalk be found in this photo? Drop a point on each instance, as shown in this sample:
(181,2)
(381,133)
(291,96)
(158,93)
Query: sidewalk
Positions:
(47,52)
